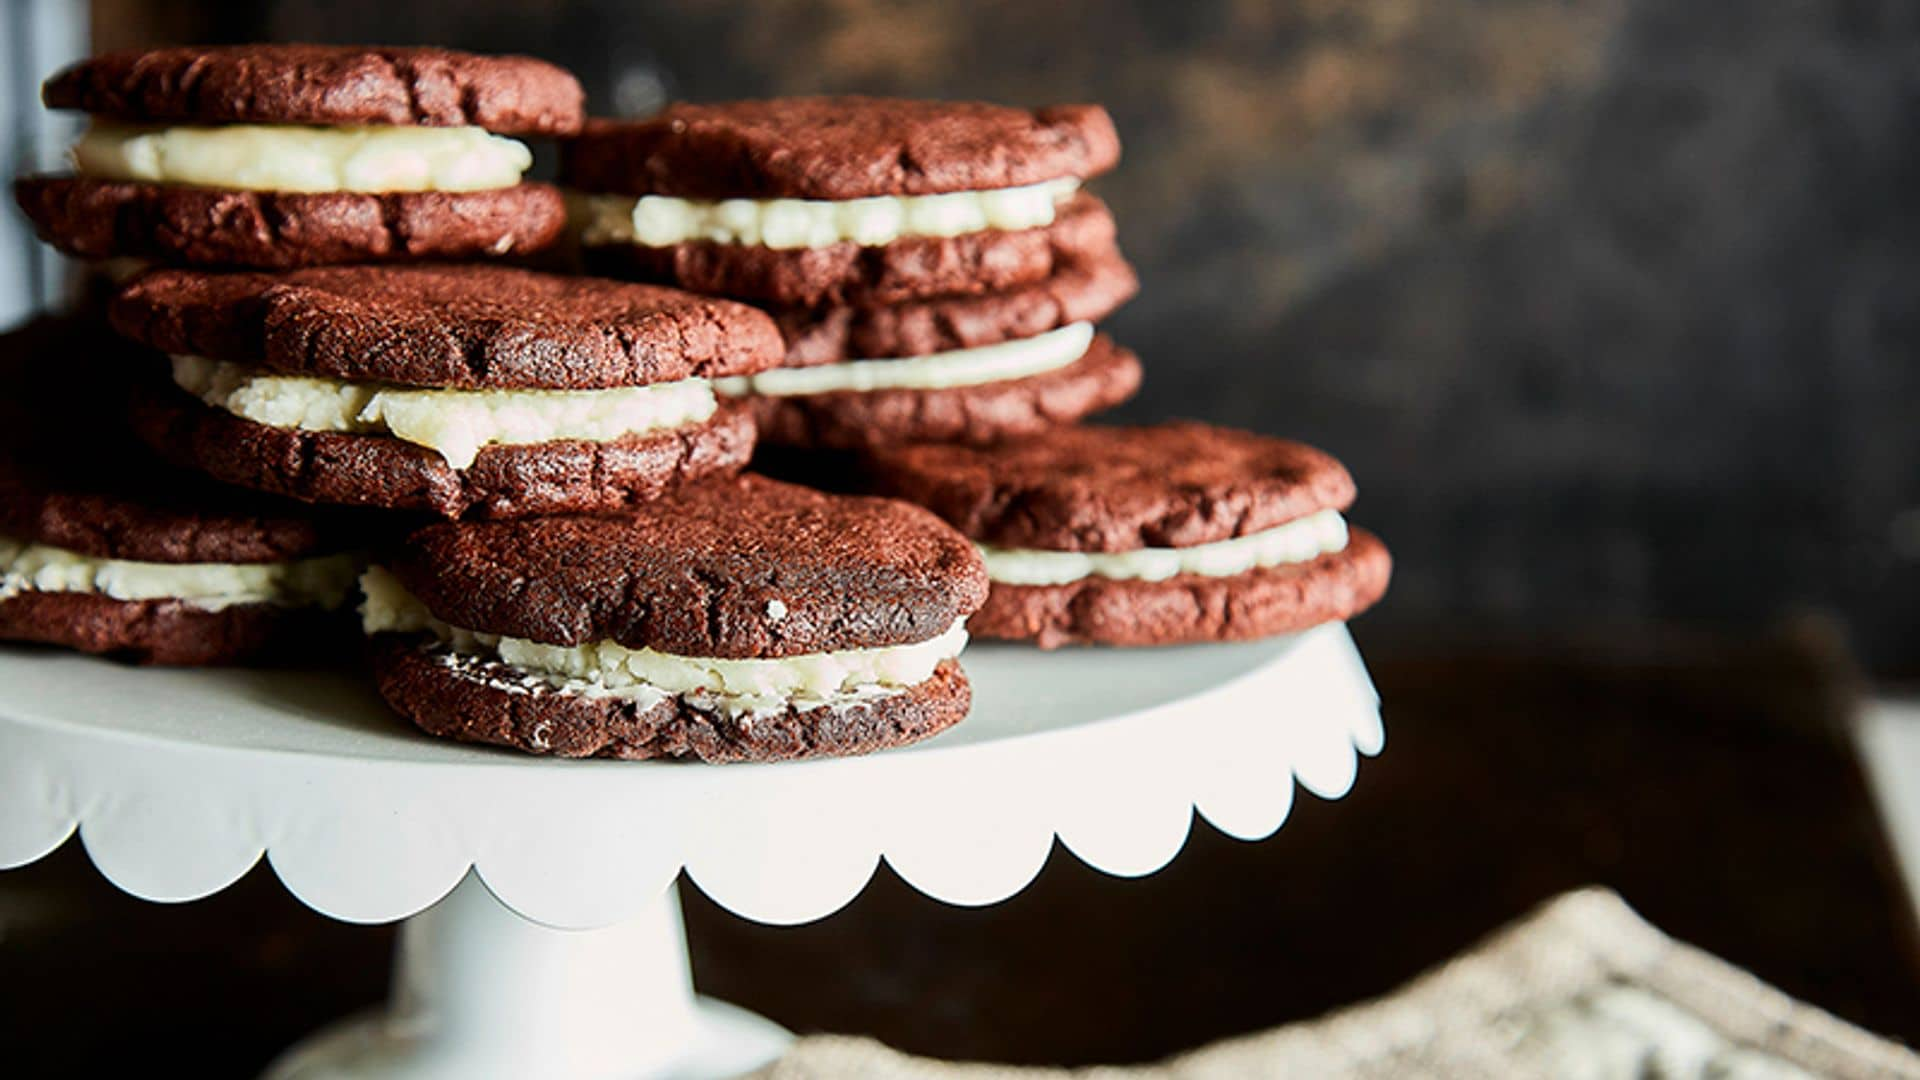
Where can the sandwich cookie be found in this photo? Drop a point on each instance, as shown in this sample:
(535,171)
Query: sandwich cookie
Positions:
(845,201)
(1179,532)
(744,620)
(159,568)
(461,390)
(104,551)
(278,156)
(974,369)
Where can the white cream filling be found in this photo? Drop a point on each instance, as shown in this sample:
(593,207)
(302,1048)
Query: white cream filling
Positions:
(453,423)
(609,668)
(664,220)
(270,157)
(1004,360)
(1301,540)
(318,582)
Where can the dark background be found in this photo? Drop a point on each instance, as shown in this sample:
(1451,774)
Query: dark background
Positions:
(1612,306)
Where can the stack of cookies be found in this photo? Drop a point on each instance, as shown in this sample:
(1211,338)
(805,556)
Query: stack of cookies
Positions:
(602,581)
(326,370)
(264,156)
(214,179)
(935,267)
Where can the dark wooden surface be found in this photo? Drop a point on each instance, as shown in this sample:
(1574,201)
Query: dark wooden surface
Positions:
(1707,781)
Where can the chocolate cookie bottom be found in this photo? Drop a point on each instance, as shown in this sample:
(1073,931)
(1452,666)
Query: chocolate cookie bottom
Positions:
(1190,608)
(273,230)
(1080,290)
(570,476)
(168,632)
(989,412)
(482,701)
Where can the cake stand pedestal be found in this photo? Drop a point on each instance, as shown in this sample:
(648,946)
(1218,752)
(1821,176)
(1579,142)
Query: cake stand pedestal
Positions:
(543,936)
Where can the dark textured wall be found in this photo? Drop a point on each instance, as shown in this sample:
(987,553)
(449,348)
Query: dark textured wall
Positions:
(1613,306)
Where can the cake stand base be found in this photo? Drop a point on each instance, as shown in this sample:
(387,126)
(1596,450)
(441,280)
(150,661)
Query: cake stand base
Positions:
(481,992)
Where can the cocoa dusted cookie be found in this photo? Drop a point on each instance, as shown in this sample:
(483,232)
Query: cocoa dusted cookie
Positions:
(743,620)
(1179,532)
(279,156)
(843,201)
(461,390)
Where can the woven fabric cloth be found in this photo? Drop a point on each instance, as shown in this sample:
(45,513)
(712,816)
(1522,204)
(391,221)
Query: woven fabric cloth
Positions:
(1582,987)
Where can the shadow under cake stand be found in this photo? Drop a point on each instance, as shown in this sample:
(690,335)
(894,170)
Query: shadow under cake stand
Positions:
(542,933)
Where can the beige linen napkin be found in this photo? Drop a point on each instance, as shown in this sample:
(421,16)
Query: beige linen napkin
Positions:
(1582,987)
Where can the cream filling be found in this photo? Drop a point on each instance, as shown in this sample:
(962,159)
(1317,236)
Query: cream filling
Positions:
(1004,360)
(610,669)
(270,157)
(453,423)
(664,220)
(319,582)
(1298,541)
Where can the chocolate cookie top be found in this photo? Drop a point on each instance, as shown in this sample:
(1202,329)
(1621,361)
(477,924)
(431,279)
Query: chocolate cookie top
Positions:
(149,515)
(839,148)
(323,84)
(467,326)
(744,568)
(1117,488)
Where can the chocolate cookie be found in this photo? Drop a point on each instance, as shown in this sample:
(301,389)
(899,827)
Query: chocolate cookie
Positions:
(1190,607)
(331,85)
(565,476)
(456,389)
(88,550)
(174,518)
(169,632)
(984,413)
(281,156)
(1118,488)
(846,273)
(1149,535)
(460,698)
(470,326)
(1077,292)
(839,148)
(276,230)
(748,568)
(741,620)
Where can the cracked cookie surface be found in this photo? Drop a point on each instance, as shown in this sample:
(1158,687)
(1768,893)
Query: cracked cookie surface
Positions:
(1099,488)
(329,85)
(748,568)
(448,326)
(839,148)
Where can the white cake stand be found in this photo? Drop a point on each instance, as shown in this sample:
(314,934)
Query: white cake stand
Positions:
(543,936)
